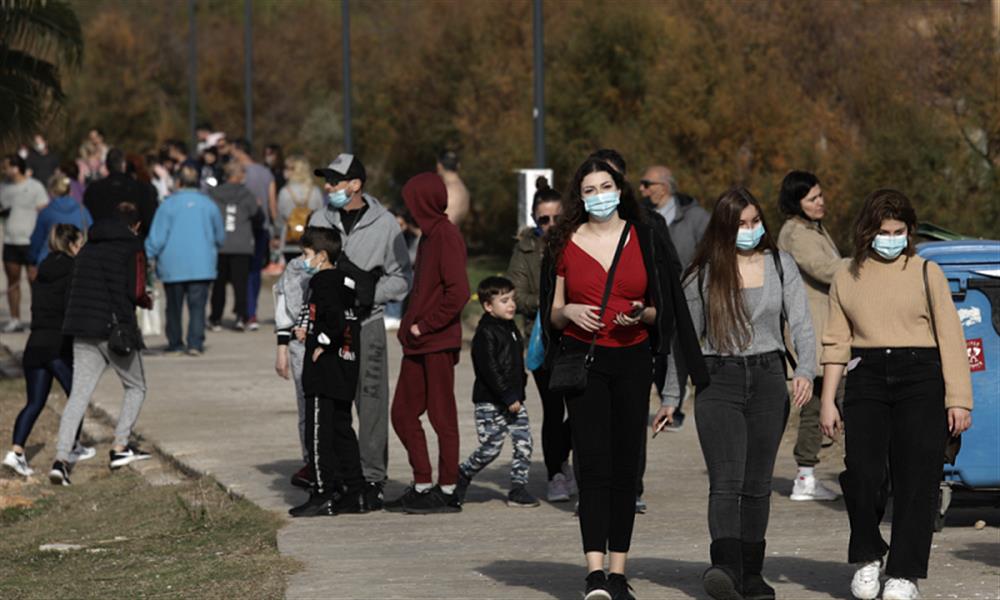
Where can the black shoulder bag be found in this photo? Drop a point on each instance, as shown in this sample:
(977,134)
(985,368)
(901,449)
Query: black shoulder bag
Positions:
(954,444)
(123,339)
(569,369)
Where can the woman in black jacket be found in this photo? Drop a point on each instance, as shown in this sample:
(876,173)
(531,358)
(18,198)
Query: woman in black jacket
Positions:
(644,309)
(48,354)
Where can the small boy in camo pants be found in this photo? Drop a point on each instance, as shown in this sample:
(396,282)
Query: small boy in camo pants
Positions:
(498,392)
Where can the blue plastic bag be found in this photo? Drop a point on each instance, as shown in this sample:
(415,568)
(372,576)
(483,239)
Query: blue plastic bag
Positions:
(536,347)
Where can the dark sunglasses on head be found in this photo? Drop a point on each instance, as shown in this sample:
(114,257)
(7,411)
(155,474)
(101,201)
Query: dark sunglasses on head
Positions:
(543,220)
(649,183)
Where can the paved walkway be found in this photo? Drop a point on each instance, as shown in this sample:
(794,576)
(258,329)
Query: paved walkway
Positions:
(228,415)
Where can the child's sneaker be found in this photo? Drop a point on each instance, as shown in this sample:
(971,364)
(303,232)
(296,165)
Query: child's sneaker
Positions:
(316,506)
(374,496)
(558,489)
(399,504)
(461,487)
(432,501)
(520,498)
(59,475)
(18,463)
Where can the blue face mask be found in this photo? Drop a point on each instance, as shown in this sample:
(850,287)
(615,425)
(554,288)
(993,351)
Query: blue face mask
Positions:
(309,268)
(747,239)
(601,206)
(338,199)
(890,246)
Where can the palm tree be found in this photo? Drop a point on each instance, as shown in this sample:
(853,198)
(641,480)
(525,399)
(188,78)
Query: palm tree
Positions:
(36,38)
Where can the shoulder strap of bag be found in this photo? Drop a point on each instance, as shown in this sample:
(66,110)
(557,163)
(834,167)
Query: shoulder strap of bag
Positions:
(776,255)
(607,286)
(930,305)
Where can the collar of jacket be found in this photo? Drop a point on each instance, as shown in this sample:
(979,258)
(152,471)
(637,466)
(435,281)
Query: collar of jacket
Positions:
(809,223)
(684,203)
(527,241)
(375,209)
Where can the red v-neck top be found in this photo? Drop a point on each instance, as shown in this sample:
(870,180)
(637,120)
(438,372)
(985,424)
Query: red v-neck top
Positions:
(585,281)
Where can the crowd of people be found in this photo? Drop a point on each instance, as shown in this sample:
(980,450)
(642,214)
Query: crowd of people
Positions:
(620,294)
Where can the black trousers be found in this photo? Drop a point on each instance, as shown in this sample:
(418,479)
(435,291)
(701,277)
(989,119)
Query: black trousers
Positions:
(894,411)
(556,437)
(741,416)
(332,445)
(607,421)
(232,269)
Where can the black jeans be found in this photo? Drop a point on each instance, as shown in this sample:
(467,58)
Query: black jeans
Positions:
(894,411)
(233,269)
(196,293)
(556,438)
(332,445)
(741,416)
(607,421)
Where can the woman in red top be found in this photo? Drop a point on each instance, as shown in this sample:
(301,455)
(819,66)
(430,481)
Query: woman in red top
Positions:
(607,418)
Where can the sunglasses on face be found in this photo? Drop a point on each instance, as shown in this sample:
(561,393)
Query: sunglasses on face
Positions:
(649,183)
(544,220)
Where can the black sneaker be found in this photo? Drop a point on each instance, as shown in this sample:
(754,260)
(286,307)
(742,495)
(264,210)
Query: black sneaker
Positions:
(619,588)
(59,475)
(374,496)
(399,504)
(432,502)
(351,502)
(597,587)
(520,498)
(461,487)
(129,455)
(318,505)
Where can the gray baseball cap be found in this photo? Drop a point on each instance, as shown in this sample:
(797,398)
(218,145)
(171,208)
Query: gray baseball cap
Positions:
(343,168)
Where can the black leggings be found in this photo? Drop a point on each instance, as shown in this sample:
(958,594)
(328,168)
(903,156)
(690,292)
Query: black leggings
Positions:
(556,437)
(38,381)
(607,422)
(741,416)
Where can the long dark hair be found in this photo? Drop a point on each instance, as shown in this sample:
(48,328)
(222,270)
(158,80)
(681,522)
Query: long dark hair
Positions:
(881,205)
(573,214)
(727,319)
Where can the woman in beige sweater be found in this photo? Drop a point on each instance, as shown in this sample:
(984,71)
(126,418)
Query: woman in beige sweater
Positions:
(893,325)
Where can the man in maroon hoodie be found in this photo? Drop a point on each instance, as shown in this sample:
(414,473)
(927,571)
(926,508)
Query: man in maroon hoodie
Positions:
(431,335)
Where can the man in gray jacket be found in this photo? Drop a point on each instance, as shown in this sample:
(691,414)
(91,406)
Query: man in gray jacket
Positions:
(374,243)
(241,213)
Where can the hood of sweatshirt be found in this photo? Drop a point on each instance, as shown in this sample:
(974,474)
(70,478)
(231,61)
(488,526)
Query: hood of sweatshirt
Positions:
(426,198)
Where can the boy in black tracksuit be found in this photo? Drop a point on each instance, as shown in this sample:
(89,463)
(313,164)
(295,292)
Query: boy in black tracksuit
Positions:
(329,380)
(498,392)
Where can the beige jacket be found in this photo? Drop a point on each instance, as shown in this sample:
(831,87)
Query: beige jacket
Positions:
(818,260)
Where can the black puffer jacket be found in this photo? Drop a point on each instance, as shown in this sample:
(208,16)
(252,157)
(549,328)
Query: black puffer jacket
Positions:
(498,362)
(110,276)
(48,306)
(665,293)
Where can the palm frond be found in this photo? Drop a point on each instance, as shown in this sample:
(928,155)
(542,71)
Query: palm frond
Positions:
(41,27)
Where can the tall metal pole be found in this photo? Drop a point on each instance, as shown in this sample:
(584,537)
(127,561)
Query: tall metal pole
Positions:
(248,68)
(539,71)
(192,74)
(996,21)
(345,36)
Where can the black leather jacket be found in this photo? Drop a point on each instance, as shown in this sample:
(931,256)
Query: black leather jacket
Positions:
(665,293)
(498,362)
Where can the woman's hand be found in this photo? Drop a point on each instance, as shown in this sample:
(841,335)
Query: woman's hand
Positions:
(584,316)
(281,363)
(959,420)
(633,317)
(829,419)
(663,417)
(801,391)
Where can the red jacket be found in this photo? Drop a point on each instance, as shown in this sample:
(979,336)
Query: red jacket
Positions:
(440,282)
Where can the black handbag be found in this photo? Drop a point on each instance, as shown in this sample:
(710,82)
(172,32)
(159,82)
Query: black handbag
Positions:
(122,339)
(569,369)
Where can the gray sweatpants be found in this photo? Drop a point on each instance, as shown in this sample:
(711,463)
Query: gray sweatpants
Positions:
(90,359)
(296,356)
(372,399)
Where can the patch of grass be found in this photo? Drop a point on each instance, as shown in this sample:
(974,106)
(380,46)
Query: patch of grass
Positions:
(187,540)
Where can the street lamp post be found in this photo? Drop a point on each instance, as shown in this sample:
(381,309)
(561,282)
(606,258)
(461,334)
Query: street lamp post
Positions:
(539,72)
(248,68)
(192,74)
(345,35)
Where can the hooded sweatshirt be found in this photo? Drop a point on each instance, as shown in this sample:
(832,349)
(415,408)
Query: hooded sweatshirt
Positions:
(240,216)
(62,210)
(440,283)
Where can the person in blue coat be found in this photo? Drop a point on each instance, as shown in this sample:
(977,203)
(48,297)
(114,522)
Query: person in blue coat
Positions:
(62,210)
(184,240)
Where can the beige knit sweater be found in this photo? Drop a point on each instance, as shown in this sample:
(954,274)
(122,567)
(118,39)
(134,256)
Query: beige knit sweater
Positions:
(886,307)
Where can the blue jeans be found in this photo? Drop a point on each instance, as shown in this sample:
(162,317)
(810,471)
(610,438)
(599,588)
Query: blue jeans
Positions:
(261,241)
(197,297)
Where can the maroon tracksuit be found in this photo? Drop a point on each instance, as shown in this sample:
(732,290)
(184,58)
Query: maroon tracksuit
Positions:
(427,376)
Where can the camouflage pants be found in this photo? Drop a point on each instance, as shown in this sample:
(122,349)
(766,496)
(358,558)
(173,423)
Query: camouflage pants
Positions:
(493,424)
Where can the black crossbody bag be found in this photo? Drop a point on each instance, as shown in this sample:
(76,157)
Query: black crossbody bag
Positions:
(569,369)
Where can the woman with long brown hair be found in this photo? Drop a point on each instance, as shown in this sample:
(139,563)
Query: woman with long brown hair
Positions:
(606,294)
(740,290)
(893,325)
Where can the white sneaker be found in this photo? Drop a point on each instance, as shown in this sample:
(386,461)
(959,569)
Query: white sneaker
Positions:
(392,323)
(81,452)
(900,589)
(13,326)
(558,491)
(865,584)
(567,471)
(18,463)
(807,487)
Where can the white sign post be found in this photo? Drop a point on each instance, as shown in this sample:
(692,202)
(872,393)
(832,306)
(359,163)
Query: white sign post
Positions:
(526,194)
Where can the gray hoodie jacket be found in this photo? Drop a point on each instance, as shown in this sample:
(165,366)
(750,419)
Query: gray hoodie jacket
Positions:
(239,213)
(374,242)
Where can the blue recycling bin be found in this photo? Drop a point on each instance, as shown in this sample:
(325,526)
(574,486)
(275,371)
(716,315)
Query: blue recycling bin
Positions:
(973,271)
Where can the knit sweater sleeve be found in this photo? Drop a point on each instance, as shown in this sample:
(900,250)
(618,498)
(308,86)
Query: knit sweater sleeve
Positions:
(672,386)
(838,335)
(799,319)
(951,341)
